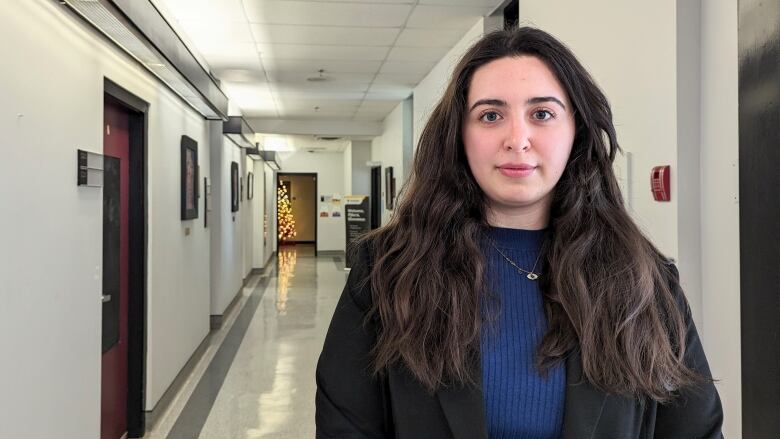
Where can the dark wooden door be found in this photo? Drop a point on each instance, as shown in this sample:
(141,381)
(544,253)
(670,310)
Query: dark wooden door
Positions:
(759,215)
(116,184)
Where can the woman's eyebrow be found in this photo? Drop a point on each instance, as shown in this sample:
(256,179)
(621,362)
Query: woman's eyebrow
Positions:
(530,101)
(541,99)
(494,102)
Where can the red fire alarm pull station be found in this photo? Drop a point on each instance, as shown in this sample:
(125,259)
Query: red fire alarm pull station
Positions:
(659,183)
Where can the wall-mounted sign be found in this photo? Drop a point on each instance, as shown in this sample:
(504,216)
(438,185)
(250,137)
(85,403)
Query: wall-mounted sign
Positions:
(89,170)
(358,221)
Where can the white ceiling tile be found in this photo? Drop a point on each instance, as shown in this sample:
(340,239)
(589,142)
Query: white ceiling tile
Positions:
(433,54)
(209,32)
(429,37)
(250,97)
(307,52)
(188,10)
(309,105)
(333,66)
(332,78)
(445,17)
(290,34)
(239,75)
(480,3)
(407,67)
(318,95)
(328,14)
(231,56)
(389,95)
(370,116)
(399,79)
(320,88)
(377,106)
(253,112)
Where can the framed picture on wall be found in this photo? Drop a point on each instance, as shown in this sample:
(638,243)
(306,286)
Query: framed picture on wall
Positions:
(250,182)
(389,188)
(234,189)
(189,178)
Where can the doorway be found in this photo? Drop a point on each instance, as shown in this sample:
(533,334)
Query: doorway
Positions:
(296,209)
(759,214)
(376,197)
(124,263)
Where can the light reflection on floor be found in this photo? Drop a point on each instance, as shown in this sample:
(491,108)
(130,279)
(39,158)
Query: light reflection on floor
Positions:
(269,389)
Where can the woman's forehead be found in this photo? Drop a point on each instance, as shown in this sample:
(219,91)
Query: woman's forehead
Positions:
(514,80)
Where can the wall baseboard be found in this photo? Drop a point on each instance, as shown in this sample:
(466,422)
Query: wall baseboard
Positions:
(216,320)
(167,398)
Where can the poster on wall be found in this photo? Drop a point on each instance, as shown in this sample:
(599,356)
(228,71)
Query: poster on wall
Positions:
(357,217)
(234,189)
(189,178)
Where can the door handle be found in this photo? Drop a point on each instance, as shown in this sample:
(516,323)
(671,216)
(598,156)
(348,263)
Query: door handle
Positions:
(105,298)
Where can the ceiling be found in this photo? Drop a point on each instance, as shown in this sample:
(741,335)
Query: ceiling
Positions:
(371,52)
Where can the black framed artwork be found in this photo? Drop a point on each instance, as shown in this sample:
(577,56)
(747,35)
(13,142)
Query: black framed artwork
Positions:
(250,182)
(189,178)
(234,189)
(389,188)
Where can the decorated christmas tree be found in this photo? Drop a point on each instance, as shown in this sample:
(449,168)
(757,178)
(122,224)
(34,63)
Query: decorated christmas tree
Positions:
(285,215)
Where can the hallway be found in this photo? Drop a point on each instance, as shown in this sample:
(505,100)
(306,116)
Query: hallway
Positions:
(256,379)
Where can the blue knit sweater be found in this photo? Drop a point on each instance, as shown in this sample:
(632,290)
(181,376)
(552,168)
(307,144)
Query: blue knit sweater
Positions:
(519,402)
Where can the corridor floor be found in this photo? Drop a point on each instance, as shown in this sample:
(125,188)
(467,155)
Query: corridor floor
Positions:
(256,377)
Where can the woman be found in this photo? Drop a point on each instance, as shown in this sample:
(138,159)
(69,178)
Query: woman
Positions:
(511,295)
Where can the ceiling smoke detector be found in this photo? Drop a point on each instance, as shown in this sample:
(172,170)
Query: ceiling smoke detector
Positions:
(319,78)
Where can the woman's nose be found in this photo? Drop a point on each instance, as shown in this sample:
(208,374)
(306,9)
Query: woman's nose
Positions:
(518,136)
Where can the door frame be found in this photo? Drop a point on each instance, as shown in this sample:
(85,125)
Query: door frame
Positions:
(279,175)
(376,197)
(138,110)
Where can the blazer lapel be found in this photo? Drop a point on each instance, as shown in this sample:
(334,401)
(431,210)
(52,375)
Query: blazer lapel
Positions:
(465,411)
(584,404)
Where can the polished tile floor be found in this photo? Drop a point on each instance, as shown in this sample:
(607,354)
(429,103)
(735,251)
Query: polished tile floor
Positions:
(256,379)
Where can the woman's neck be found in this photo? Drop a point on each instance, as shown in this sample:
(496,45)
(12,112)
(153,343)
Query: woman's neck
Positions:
(534,217)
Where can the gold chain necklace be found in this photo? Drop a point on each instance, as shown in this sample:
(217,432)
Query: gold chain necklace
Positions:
(529,274)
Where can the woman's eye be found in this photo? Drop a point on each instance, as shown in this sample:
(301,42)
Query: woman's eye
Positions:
(543,115)
(490,116)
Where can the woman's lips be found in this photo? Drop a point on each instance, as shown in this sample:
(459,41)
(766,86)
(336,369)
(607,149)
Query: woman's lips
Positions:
(517,171)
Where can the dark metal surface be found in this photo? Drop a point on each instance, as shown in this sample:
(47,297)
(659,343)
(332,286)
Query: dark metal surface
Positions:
(759,215)
(143,16)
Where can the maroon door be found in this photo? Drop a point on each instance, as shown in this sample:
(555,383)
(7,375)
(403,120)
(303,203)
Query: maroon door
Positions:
(116,184)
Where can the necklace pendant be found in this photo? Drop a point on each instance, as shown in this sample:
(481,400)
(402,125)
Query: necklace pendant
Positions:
(532,276)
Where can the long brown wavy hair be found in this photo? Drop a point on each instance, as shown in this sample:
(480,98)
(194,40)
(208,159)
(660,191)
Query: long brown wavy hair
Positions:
(606,287)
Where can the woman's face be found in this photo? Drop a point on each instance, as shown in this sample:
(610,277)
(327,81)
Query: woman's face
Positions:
(518,132)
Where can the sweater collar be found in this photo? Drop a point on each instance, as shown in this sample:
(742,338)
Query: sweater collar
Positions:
(516,239)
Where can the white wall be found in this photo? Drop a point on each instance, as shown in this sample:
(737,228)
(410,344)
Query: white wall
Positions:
(648,95)
(361,173)
(348,169)
(329,167)
(270,194)
(227,236)
(389,148)
(429,91)
(50,308)
(642,92)
(720,204)
(259,254)
(247,209)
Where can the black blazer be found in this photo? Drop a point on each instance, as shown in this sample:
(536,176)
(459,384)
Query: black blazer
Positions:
(352,404)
